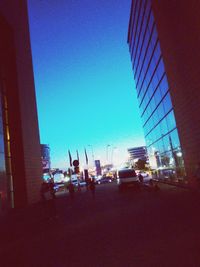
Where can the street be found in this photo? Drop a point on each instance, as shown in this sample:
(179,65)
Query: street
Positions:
(133,228)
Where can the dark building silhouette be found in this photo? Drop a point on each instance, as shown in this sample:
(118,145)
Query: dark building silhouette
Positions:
(46,159)
(20,157)
(164,41)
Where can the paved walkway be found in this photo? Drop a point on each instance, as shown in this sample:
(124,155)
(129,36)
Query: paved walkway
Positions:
(132,229)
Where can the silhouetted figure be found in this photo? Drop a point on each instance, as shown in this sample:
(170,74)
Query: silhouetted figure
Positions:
(71,190)
(44,190)
(152,186)
(87,180)
(79,187)
(52,189)
(48,200)
(92,187)
(141,178)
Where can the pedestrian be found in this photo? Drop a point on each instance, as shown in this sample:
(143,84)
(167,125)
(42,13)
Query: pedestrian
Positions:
(92,187)
(44,191)
(87,180)
(79,187)
(48,200)
(141,178)
(52,189)
(71,190)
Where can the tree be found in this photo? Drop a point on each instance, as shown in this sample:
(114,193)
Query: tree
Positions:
(140,164)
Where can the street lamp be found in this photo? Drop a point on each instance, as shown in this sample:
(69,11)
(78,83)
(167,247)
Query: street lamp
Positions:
(112,153)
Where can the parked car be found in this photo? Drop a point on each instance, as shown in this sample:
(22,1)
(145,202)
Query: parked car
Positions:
(82,183)
(104,180)
(127,177)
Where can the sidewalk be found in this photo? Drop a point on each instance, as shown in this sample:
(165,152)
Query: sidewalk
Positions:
(20,223)
(190,185)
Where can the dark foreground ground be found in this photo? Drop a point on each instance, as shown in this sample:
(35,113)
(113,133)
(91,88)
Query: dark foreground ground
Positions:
(133,228)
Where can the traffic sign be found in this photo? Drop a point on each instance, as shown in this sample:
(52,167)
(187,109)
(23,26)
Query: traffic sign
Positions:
(75,163)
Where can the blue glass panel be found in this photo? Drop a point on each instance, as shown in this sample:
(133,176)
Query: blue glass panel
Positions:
(160,70)
(166,143)
(167,103)
(138,33)
(1,125)
(171,123)
(175,139)
(1,143)
(164,86)
(163,126)
(0,104)
(2,162)
(157,97)
(160,111)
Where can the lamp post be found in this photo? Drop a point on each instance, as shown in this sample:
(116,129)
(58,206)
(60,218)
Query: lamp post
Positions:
(114,147)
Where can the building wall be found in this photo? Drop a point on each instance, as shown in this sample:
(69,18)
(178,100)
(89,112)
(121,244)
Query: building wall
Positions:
(19,83)
(153,90)
(178,24)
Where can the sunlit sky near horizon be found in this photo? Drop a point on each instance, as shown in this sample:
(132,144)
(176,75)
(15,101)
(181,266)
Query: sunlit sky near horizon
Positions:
(83,78)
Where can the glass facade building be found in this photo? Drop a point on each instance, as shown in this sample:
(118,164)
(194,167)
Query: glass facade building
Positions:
(153,92)
(3,180)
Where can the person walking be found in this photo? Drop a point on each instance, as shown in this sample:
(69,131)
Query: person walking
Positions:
(71,190)
(92,187)
(141,178)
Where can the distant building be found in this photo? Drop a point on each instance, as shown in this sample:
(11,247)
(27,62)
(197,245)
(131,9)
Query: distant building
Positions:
(163,38)
(46,160)
(98,167)
(20,157)
(137,153)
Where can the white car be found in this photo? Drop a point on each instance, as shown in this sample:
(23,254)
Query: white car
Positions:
(127,177)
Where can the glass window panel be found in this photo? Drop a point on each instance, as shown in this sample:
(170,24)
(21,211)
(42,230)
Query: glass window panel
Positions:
(160,69)
(171,121)
(158,130)
(1,143)
(157,97)
(167,103)
(166,143)
(157,51)
(2,162)
(161,146)
(175,139)
(160,111)
(1,125)
(164,86)
(164,126)
(0,105)
(156,118)
(140,21)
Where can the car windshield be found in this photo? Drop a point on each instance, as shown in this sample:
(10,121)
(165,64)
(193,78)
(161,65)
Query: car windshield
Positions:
(126,173)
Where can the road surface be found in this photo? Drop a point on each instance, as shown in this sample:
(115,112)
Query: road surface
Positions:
(133,228)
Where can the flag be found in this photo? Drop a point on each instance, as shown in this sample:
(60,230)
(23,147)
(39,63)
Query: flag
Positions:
(77,155)
(86,157)
(70,158)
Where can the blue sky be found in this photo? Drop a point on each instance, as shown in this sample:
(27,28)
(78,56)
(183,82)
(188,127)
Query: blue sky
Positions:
(83,78)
